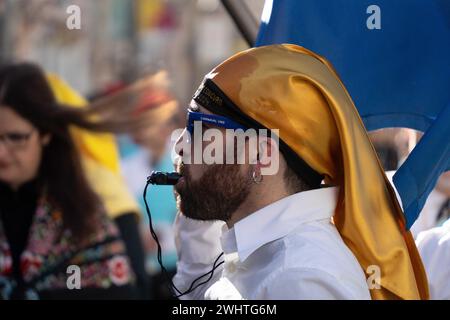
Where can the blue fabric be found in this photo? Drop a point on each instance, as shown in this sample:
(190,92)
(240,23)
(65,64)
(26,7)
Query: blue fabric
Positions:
(398,75)
(416,187)
(211,119)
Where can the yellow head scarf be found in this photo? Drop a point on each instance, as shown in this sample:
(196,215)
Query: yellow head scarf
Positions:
(289,88)
(99,156)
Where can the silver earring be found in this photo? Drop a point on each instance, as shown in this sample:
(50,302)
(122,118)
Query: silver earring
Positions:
(256,178)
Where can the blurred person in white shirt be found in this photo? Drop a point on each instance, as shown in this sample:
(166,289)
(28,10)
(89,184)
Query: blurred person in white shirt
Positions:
(434,247)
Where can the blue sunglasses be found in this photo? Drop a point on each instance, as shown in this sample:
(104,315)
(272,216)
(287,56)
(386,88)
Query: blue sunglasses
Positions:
(212,119)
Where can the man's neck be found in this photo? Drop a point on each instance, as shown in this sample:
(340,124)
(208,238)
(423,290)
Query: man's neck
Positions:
(260,197)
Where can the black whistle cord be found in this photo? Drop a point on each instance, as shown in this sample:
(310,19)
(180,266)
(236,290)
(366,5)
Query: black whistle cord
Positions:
(175,291)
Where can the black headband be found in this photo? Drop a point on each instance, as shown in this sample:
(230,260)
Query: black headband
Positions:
(211,97)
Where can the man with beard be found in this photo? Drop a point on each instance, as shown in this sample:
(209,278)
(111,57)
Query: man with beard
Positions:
(317,228)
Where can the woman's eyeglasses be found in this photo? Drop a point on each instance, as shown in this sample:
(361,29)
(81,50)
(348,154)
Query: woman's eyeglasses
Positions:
(210,119)
(14,140)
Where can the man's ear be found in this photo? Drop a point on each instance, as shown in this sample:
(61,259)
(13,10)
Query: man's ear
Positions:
(45,139)
(265,151)
(268,154)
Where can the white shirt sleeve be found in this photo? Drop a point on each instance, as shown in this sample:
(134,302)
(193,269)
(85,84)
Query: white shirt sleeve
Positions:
(434,248)
(198,246)
(308,284)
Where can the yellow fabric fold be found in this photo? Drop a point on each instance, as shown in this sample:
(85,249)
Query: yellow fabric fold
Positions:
(292,89)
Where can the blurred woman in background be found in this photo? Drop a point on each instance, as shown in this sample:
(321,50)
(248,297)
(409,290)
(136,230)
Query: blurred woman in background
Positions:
(55,239)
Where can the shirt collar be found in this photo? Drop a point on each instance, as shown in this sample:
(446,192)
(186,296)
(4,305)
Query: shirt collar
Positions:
(277,220)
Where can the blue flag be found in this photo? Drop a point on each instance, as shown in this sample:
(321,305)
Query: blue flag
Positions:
(394,58)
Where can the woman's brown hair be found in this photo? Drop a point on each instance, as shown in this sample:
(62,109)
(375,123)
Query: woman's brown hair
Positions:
(24,89)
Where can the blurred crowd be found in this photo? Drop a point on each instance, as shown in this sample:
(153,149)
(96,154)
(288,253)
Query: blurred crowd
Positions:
(73,170)
(62,166)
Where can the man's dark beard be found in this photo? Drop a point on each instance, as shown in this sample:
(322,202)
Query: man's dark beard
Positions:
(216,195)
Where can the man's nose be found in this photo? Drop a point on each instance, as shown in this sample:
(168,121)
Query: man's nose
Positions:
(178,145)
(183,144)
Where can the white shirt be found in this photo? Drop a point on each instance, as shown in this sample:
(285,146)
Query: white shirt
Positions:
(434,248)
(428,217)
(287,250)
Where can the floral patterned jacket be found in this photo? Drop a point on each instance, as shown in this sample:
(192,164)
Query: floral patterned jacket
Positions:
(51,256)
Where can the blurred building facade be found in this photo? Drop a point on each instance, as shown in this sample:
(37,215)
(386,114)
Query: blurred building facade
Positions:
(119,40)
